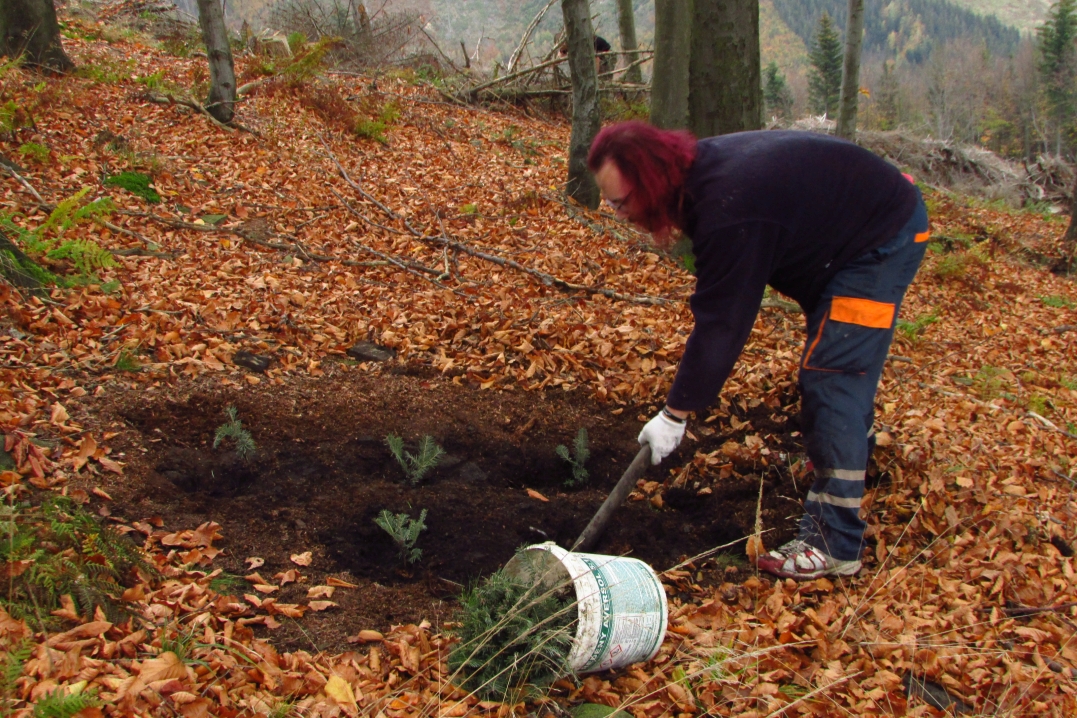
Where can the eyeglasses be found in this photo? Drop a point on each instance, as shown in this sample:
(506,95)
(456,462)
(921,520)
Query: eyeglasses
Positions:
(617,204)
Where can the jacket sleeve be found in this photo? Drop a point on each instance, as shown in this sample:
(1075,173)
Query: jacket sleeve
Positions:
(732,268)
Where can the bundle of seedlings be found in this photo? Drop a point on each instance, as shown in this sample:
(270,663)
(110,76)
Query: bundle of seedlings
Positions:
(516,630)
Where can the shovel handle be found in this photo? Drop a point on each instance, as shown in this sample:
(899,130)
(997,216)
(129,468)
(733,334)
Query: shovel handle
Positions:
(620,492)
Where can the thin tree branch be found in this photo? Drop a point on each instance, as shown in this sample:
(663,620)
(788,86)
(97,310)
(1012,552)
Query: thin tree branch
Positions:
(515,57)
(10,169)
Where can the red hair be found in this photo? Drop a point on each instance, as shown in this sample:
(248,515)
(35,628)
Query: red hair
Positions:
(654,163)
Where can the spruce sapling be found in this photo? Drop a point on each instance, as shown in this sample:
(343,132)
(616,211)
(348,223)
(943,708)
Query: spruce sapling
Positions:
(404,531)
(415,465)
(580,454)
(233,429)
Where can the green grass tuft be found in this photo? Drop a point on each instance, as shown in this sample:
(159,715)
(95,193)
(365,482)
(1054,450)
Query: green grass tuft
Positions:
(136,183)
(1058,302)
(127,361)
(371,130)
(911,331)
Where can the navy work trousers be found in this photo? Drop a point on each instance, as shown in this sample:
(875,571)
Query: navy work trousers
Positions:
(849,335)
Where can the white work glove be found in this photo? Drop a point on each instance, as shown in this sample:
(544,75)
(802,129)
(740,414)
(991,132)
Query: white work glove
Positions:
(663,435)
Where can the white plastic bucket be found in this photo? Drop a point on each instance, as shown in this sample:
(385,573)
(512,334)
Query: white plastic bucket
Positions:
(622,608)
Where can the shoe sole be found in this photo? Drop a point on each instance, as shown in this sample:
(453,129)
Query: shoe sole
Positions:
(836,571)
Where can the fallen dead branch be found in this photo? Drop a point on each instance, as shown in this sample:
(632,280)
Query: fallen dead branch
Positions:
(139,252)
(196,106)
(201,109)
(1050,424)
(547,279)
(1017,610)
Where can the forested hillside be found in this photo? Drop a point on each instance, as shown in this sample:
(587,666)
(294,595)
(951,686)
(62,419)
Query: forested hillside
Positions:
(905,29)
(1026,15)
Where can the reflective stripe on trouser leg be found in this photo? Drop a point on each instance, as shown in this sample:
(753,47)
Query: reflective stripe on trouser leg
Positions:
(832,409)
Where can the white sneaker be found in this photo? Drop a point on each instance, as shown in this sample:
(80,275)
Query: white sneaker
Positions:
(801,561)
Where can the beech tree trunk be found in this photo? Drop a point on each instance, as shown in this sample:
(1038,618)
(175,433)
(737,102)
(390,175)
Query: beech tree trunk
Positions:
(626,21)
(669,74)
(29,27)
(850,77)
(1069,241)
(580,39)
(725,91)
(222,73)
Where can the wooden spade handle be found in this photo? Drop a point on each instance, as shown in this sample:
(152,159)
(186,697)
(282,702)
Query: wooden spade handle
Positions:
(620,492)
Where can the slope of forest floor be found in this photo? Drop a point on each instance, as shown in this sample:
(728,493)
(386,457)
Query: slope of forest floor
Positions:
(516,318)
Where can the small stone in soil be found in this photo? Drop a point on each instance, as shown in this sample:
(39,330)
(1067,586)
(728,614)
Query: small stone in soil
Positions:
(251,361)
(369,351)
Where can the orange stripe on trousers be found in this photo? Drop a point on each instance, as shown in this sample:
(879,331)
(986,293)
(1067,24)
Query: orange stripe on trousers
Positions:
(862,312)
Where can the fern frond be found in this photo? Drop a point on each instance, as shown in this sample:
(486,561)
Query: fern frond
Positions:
(13,663)
(61,217)
(87,256)
(62,704)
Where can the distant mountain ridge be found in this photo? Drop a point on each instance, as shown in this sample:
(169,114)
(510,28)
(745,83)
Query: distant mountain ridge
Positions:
(906,30)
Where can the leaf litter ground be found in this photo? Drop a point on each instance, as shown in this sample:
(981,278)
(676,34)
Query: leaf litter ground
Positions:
(517,318)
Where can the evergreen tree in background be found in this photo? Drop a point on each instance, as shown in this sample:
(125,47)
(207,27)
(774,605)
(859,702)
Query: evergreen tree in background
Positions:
(776,92)
(1058,64)
(824,78)
(886,98)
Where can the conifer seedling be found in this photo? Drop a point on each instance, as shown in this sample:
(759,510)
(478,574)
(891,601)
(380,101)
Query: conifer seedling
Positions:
(404,531)
(415,466)
(233,429)
(578,458)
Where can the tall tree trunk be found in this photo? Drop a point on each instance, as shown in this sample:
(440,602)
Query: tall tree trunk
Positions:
(222,73)
(626,21)
(29,27)
(580,39)
(669,75)
(1069,241)
(725,91)
(850,77)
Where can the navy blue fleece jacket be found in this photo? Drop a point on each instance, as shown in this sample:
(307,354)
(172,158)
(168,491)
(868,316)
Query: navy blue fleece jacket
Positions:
(783,208)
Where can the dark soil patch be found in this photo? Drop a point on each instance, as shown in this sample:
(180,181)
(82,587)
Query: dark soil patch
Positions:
(322,473)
